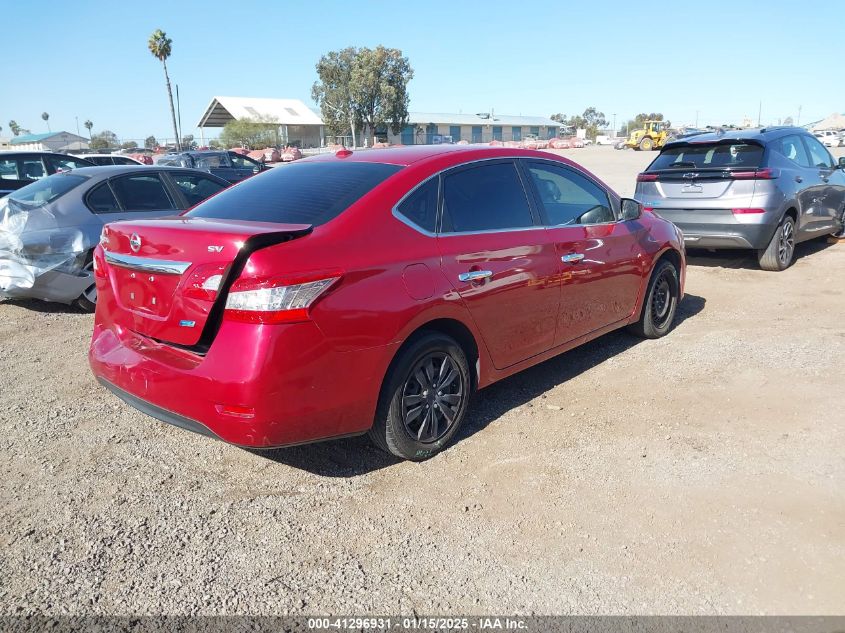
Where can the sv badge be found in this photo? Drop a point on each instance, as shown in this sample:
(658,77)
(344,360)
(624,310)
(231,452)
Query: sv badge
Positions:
(215,249)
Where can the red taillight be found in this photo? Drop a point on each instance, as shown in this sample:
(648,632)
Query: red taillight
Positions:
(747,211)
(235,411)
(204,282)
(278,300)
(643,177)
(756,174)
(648,209)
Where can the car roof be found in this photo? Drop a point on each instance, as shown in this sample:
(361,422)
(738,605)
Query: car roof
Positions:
(408,154)
(760,135)
(114,170)
(34,152)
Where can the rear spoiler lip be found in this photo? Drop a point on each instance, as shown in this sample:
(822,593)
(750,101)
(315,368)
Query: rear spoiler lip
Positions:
(251,245)
(726,140)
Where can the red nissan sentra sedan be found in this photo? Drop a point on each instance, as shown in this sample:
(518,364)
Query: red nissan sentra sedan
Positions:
(372,291)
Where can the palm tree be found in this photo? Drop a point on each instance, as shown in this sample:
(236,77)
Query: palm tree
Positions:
(46,118)
(14,127)
(161,46)
(88,125)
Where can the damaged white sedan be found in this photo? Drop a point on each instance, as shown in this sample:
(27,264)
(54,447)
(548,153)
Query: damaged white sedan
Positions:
(49,229)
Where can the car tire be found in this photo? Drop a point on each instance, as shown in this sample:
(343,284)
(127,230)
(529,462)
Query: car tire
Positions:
(780,252)
(646,144)
(87,301)
(661,302)
(429,377)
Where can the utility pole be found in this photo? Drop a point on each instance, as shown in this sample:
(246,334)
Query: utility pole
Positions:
(77,126)
(696,119)
(759,114)
(798,122)
(614,125)
(179,115)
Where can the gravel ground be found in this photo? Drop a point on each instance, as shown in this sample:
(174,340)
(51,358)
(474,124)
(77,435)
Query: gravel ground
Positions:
(702,473)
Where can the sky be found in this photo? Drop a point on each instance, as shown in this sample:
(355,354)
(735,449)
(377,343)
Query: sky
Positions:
(713,62)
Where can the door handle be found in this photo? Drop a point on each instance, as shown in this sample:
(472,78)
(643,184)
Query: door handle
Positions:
(475,275)
(799,179)
(572,258)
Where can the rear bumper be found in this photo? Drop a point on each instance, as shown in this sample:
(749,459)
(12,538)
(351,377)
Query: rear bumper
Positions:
(286,384)
(727,235)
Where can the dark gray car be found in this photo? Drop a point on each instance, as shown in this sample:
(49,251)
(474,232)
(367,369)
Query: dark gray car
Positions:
(762,189)
(49,228)
(231,166)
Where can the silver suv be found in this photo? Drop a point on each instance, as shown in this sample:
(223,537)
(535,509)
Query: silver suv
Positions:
(764,189)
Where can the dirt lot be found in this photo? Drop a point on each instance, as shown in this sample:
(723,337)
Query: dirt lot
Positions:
(702,473)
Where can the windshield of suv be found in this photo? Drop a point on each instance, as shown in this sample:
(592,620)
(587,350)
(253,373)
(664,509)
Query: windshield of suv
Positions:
(714,155)
(307,193)
(47,189)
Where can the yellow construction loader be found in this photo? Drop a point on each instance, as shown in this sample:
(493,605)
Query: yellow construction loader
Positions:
(653,136)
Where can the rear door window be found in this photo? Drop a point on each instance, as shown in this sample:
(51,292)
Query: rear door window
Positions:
(819,156)
(420,208)
(791,148)
(704,155)
(569,198)
(142,192)
(101,199)
(304,193)
(196,188)
(485,198)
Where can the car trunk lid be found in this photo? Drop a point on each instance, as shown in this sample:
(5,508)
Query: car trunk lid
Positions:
(169,277)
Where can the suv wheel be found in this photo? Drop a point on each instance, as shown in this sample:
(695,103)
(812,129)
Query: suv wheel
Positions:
(87,301)
(424,399)
(778,255)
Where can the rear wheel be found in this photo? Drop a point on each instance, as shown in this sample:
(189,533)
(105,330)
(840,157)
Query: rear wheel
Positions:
(646,144)
(661,302)
(424,398)
(778,255)
(87,301)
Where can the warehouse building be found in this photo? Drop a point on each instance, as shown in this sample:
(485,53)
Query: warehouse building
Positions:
(426,128)
(50,142)
(298,124)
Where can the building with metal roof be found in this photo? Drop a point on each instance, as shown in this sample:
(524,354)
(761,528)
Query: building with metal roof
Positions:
(50,142)
(835,121)
(298,124)
(483,127)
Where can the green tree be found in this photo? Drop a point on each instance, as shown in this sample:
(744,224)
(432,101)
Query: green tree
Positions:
(593,120)
(215,144)
(333,93)
(88,125)
(380,79)
(161,47)
(46,118)
(150,142)
(104,140)
(188,142)
(14,127)
(128,145)
(251,133)
(638,122)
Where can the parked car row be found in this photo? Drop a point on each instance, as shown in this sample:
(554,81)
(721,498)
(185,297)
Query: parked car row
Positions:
(831,138)
(229,165)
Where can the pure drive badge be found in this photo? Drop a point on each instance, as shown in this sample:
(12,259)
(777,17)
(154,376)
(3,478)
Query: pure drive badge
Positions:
(187,323)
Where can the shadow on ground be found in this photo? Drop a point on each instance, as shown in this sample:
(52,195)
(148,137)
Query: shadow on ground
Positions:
(746,258)
(45,307)
(356,456)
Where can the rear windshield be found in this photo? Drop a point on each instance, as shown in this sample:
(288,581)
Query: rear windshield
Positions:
(47,189)
(700,156)
(304,193)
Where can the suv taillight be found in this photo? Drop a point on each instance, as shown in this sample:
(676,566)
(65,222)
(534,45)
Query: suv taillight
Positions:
(756,174)
(281,300)
(644,177)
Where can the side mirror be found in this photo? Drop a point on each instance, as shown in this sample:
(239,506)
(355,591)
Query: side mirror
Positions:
(842,162)
(255,170)
(631,209)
